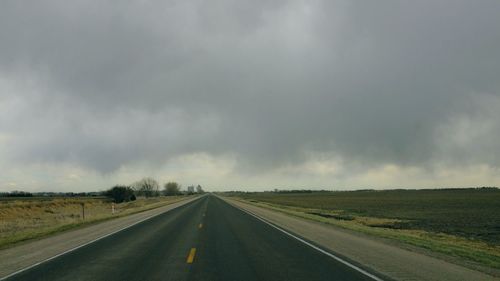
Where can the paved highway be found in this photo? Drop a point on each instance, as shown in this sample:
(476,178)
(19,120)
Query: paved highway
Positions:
(207,239)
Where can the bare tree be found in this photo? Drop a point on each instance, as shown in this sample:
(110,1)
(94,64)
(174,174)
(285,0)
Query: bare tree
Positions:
(147,187)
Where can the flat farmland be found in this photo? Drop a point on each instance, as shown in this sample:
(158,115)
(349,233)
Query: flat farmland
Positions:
(459,222)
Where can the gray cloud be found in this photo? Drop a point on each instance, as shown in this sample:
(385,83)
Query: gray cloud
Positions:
(106,84)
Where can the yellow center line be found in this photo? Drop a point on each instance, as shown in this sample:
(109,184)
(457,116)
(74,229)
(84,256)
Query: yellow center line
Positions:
(200,225)
(190,257)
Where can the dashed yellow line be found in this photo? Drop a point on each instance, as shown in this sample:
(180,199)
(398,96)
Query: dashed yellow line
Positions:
(190,257)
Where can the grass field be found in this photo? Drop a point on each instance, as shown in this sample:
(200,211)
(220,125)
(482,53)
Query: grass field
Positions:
(462,223)
(30,218)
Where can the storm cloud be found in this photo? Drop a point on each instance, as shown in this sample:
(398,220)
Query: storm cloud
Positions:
(251,93)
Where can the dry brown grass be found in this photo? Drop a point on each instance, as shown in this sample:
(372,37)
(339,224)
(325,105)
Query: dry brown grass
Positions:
(24,219)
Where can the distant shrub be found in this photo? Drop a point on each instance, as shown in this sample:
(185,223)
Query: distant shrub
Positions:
(171,189)
(121,194)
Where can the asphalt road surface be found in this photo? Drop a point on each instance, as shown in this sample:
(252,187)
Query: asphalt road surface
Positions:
(207,239)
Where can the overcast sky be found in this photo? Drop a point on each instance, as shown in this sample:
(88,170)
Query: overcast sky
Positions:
(249,95)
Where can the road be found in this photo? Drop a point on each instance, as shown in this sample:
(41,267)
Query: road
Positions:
(207,239)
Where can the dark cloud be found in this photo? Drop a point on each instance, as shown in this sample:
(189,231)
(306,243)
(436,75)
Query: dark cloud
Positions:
(372,83)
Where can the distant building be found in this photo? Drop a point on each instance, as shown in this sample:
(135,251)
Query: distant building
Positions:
(199,189)
(190,189)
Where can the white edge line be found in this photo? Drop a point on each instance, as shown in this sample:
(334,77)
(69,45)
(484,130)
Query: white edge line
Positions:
(312,245)
(87,243)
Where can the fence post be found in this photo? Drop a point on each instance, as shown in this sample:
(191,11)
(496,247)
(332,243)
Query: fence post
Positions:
(83,210)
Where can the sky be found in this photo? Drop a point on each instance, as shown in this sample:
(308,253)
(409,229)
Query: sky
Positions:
(249,95)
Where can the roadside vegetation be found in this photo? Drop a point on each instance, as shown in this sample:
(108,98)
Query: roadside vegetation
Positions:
(172,189)
(30,216)
(461,223)
(121,193)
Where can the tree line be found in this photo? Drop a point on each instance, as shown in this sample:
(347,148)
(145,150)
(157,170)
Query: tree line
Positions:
(148,187)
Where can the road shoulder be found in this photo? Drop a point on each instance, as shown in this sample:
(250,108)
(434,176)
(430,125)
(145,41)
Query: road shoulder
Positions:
(389,260)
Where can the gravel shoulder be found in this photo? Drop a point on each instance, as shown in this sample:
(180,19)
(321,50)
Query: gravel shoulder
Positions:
(27,254)
(373,254)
